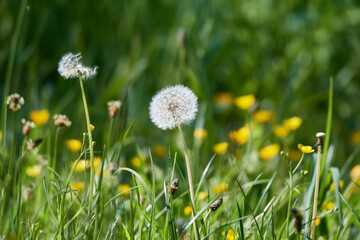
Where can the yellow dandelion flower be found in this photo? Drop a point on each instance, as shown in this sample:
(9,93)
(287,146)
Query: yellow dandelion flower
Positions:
(223,99)
(355,137)
(202,195)
(33,171)
(221,148)
(241,136)
(159,150)
(187,210)
(245,102)
(77,186)
(222,187)
(0,135)
(136,161)
(294,155)
(293,123)
(40,117)
(263,116)
(305,149)
(329,206)
(269,152)
(123,188)
(92,127)
(281,131)
(73,145)
(341,185)
(230,235)
(355,172)
(81,166)
(317,222)
(200,133)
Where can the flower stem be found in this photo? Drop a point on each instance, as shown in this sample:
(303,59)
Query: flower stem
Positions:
(53,162)
(90,144)
(191,186)
(316,194)
(289,204)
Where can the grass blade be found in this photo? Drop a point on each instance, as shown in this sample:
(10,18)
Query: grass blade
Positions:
(336,179)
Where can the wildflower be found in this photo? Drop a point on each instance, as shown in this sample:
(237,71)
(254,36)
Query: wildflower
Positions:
(240,136)
(33,171)
(230,235)
(112,168)
(15,101)
(292,123)
(70,67)
(216,204)
(61,120)
(136,161)
(124,188)
(200,133)
(159,150)
(281,131)
(77,186)
(28,192)
(317,222)
(222,187)
(92,127)
(113,107)
(245,102)
(30,144)
(39,117)
(270,151)
(329,205)
(97,162)
(73,145)
(305,149)
(341,185)
(28,125)
(81,165)
(173,106)
(174,186)
(355,137)
(221,148)
(263,116)
(1,135)
(223,99)
(187,210)
(355,172)
(202,195)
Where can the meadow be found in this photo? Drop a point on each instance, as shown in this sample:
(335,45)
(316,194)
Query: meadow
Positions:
(179,119)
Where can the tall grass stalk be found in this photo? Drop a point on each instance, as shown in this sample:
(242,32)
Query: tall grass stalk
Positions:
(90,144)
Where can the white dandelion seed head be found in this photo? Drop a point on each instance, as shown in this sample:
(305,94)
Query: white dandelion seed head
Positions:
(173,106)
(70,67)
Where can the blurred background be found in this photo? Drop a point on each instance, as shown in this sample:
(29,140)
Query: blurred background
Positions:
(284,53)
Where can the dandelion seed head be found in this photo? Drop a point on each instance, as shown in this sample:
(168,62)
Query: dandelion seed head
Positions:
(173,106)
(61,120)
(15,101)
(70,67)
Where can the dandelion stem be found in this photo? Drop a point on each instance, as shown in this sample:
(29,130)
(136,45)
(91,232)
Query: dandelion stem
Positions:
(90,144)
(319,145)
(191,186)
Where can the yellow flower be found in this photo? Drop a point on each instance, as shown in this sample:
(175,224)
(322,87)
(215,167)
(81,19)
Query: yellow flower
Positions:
(159,150)
(341,185)
(223,99)
(245,102)
(230,235)
(136,161)
(33,171)
(81,166)
(202,195)
(92,127)
(0,135)
(77,186)
(355,172)
(270,151)
(97,162)
(187,210)
(200,133)
(305,149)
(263,116)
(317,222)
(292,123)
(329,206)
(221,148)
(222,187)
(73,145)
(281,131)
(123,188)
(355,137)
(240,136)
(39,117)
